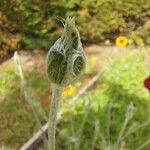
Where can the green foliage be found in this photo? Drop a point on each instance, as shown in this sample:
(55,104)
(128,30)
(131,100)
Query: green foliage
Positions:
(15,112)
(121,84)
(138,37)
(7,79)
(11,120)
(97,20)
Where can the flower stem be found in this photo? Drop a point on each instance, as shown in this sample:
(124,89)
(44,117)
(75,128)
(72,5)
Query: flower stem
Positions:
(53,117)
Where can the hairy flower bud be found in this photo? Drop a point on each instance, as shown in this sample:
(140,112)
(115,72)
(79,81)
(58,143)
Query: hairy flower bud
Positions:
(66,58)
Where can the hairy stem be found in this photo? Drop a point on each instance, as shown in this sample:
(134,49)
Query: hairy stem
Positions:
(53,117)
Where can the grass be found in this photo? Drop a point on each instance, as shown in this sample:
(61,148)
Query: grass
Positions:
(15,112)
(95,120)
(120,91)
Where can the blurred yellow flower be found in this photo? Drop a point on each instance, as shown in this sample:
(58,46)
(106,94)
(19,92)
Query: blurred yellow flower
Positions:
(68,91)
(84,13)
(93,60)
(121,41)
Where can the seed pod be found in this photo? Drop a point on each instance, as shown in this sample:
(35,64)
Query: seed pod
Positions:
(66,58)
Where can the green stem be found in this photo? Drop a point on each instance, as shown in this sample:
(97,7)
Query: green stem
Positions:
(53,117)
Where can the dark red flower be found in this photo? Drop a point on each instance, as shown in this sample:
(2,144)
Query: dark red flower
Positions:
(147,83)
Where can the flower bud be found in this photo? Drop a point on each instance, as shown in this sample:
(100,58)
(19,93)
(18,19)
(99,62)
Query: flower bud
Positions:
(66,58)
(147,83)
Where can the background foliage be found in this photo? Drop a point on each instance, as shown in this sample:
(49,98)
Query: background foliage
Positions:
(120,85)
(36,23)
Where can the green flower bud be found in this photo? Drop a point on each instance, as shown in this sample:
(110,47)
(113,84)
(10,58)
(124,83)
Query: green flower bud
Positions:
(66,58)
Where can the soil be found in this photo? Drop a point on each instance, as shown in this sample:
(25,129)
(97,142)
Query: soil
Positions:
(36,58)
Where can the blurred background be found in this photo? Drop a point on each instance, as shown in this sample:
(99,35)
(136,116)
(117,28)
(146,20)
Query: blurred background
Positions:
(113,113)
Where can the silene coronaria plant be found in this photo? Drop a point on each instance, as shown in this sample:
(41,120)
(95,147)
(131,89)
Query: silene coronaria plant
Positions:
(65,62)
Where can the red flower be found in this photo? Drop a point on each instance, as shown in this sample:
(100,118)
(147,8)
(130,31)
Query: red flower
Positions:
(147,83)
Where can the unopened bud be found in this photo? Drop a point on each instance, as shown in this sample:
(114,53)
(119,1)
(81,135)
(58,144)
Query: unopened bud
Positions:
(66,58)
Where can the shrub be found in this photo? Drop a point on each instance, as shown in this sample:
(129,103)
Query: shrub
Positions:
(37,20)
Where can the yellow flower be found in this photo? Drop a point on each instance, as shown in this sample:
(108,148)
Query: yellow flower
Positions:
(121,41)
(93,60)
(68,91)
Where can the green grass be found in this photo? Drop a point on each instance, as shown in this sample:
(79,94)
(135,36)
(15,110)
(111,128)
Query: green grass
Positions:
(121,84)
(15,112)
(85,124)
